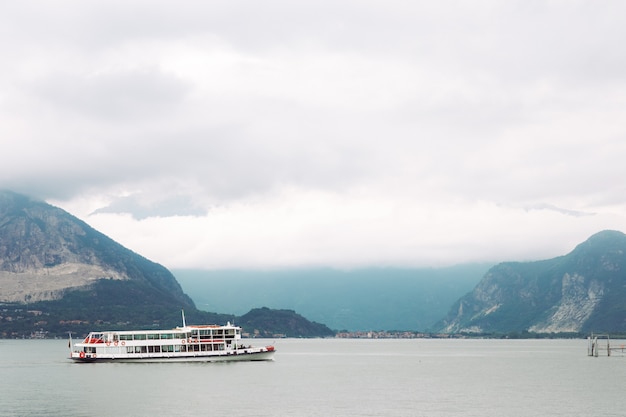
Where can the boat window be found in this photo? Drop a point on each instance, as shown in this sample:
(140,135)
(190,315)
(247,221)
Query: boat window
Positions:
(139,336)
(126,337)
(130,349)
(167,336)
(153,336)
(167,348)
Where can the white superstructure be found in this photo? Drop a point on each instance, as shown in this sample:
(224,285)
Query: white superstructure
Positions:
(204,343)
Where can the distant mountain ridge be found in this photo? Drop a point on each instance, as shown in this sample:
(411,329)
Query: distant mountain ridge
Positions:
(354,300)
(582,291)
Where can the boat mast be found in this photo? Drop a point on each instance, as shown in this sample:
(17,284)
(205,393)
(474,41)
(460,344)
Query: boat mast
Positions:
(183,311)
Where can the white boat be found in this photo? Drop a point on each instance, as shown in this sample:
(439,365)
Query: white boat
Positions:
(203,343)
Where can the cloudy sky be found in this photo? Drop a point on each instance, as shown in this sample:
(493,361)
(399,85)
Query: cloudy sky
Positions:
(270,134)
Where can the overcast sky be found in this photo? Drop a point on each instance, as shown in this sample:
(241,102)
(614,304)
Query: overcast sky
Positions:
(269,134)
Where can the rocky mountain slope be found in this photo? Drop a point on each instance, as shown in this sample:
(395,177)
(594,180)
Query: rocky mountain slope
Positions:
(45,253)
(582,291)
(58,274)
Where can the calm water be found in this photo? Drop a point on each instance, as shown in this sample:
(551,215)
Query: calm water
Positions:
(325,377)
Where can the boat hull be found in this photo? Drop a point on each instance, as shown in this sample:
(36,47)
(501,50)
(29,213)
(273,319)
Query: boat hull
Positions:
(264,355)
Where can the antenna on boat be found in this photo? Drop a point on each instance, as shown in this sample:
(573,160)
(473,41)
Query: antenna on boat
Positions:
(183,311)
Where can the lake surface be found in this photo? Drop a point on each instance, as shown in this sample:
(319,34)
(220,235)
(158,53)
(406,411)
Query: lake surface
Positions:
(325,377)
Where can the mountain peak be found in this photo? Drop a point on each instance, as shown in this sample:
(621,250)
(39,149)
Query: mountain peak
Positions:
(46,252)
(58,274)
(602,241)
(580,291)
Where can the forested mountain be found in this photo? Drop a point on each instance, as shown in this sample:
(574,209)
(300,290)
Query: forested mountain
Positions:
(582,291)
(270,323)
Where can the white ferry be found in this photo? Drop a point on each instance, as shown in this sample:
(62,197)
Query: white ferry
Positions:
(204,343)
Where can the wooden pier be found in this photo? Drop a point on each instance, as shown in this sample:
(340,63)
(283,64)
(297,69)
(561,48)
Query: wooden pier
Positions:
(597,343)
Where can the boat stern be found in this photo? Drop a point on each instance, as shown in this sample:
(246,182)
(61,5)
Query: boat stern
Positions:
(81,356)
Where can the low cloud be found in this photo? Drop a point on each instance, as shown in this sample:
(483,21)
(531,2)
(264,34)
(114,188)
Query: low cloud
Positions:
(320,133)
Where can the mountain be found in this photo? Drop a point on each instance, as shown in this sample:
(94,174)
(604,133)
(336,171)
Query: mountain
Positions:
(50,261)
(356,300)
(58,274)
(281,322)
(582,291)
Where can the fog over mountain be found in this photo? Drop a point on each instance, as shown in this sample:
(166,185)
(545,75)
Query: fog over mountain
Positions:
(360,299)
